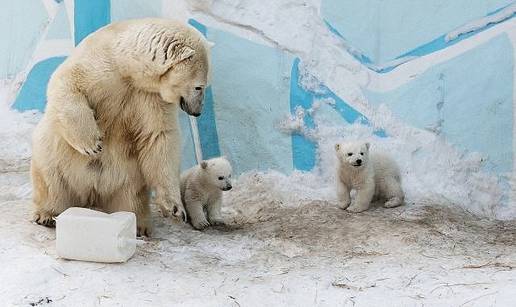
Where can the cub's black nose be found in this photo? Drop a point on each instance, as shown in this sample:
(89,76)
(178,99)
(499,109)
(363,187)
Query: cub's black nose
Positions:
(359,161)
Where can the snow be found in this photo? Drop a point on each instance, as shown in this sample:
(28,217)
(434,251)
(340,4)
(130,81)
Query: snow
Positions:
(280,247)
(433,170)
(500,16)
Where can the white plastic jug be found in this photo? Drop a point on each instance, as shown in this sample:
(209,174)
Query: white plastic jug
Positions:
(89,235)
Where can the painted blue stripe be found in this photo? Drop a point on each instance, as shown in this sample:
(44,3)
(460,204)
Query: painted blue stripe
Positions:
(349,114)
(199,26)
(208,129)
(90,15)
(206,122)
(32,95)
(303,149)
(430,47)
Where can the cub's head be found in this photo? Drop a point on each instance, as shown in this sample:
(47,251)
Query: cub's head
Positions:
(353,154)
(218,173)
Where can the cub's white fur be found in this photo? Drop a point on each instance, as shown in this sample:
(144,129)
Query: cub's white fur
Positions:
(201,191)
(372,176)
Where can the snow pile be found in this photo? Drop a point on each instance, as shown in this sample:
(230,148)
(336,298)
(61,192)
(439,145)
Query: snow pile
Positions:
(497,17)
(15,133)
(433,170)
(294,123)
(15,150)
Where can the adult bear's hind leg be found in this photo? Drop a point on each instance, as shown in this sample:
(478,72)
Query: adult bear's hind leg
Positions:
(50,196)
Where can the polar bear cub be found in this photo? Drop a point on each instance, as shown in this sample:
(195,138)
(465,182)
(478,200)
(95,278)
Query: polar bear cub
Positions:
(201,191)
(372,176)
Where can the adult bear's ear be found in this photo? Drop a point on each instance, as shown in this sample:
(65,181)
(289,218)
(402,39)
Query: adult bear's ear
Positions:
(173,54)
(204,164)
(177,53)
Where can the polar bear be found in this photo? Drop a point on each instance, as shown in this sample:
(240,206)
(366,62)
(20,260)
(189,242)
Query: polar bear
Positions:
(372,176)
(110,132)
(201,190)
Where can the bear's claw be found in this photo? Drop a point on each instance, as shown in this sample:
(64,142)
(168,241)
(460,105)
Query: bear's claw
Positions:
(94,148)
(142,231)
(44,220)
(175,210)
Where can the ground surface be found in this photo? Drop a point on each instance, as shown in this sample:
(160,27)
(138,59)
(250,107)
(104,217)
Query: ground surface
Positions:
(275,251)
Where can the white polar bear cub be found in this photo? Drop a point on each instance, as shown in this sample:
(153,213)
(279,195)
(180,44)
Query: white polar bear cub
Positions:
(201,191)
(372,176)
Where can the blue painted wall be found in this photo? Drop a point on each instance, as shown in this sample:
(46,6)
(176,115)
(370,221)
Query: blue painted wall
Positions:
(249,99)
(384,30)
(474,112)
(467,100)
(19,36)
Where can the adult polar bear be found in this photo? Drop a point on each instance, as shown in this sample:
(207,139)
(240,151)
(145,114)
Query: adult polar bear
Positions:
(110,131)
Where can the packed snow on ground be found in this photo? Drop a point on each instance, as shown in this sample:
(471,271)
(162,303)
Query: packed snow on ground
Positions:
(280,247)
(285,243)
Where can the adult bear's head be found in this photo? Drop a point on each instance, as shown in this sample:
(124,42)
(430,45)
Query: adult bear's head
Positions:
(186,80)
(169,58)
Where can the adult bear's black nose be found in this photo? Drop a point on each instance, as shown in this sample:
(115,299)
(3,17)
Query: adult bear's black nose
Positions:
(359,161)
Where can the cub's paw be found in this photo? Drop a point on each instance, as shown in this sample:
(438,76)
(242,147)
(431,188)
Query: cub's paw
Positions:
(344,204)
(355,208)
(393,202)
(44,218)
(217,222)
(200,225)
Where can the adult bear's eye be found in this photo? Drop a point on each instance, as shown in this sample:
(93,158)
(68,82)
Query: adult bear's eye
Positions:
(198,88)
(220,178)
(349,154)
(361,153)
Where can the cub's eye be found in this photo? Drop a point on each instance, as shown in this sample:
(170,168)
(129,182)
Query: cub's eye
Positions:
(198,88)
(220,178)
(361,153)
(350,154)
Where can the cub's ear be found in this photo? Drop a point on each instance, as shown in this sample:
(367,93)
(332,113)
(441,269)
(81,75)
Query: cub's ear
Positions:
(367,145)
(337,147)
(204,165)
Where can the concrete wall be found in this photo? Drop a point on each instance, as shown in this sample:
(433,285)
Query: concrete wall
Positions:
(289,77)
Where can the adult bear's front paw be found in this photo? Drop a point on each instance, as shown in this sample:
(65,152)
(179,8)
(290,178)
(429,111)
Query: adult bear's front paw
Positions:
(89,144)
(44,218)
(175,208)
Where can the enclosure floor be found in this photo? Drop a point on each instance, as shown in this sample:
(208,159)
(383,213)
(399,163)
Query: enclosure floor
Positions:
(272,253)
